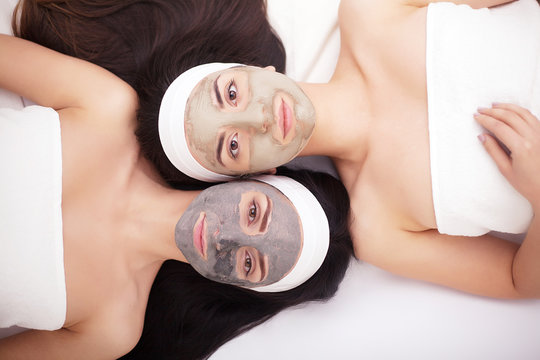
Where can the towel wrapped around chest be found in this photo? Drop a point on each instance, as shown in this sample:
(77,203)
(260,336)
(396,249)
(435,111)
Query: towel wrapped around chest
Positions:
(473,59)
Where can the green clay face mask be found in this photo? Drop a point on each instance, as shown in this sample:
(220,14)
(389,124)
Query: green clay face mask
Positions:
(246,120)
(244,233)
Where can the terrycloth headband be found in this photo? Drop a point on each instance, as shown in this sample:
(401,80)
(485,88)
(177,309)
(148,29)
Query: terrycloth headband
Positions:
(314,228)
(171,122)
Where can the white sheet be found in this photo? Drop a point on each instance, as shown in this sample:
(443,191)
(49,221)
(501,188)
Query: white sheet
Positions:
(376,315)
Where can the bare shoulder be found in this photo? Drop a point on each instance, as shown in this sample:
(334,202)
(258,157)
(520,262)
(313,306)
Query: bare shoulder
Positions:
(368,23)
(115,105)
(373,11)
(113,112)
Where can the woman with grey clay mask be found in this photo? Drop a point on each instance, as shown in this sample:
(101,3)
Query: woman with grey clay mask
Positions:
(417,195)
(107,221)
(248,235)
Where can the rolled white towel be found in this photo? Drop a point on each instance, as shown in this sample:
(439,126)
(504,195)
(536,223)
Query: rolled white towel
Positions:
(32,281)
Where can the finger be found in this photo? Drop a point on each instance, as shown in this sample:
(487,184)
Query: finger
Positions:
(509,117)
(508,136)
(502,160)
(524,113)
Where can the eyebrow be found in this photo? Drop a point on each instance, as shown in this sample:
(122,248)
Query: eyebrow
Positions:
(219,148)
(216,90)
(264,220)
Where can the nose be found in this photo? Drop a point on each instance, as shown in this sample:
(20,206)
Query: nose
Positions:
(261,128)
(264,127)
(267,120)
(259,118)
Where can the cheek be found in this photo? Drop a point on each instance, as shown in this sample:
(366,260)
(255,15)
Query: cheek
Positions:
(224,264)
(200,135)
(266,153)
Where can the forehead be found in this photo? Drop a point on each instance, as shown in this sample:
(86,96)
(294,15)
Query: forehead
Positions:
(244,186)
(230,71)
(208,82)
(229,196)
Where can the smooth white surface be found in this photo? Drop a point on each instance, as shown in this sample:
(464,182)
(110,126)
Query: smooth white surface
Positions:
(377,315)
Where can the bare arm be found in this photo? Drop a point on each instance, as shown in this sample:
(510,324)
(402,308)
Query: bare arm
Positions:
(477,265)
(519,130)
(59,81)
(482,265)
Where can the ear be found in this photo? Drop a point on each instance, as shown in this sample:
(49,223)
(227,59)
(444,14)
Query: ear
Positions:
(270,68)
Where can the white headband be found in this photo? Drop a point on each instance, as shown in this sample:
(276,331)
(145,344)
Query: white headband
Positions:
(171,122)
(314,227)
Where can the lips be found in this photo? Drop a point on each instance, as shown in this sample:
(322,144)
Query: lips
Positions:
(285,118)
(199,235)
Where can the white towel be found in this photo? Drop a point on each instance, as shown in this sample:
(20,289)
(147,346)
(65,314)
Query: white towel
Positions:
(475,58)
(32,282)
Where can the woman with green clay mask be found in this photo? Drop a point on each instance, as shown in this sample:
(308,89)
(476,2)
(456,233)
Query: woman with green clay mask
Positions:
(242,120)
(400,119)
(238,120)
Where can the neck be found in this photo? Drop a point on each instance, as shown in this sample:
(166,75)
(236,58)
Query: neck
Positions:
(342,120)
(153,211)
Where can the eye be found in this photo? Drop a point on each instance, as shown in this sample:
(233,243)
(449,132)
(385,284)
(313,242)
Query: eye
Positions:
(233,146)
(247,263)
(252,212)
(232,90)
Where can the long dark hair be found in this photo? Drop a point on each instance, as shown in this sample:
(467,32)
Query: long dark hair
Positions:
(148,43)
(189,317)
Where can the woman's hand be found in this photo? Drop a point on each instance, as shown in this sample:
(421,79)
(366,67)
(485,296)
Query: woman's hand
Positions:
(519,131)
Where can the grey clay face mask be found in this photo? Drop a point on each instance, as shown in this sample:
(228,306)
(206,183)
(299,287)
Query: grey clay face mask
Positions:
(243,233)
(271,102)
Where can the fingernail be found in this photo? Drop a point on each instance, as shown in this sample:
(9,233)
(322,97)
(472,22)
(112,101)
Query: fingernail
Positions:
(480,109)
(482,138)
(496,104)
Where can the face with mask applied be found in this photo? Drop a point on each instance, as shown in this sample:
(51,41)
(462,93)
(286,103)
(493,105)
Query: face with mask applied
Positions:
(247,119)
(244,233)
